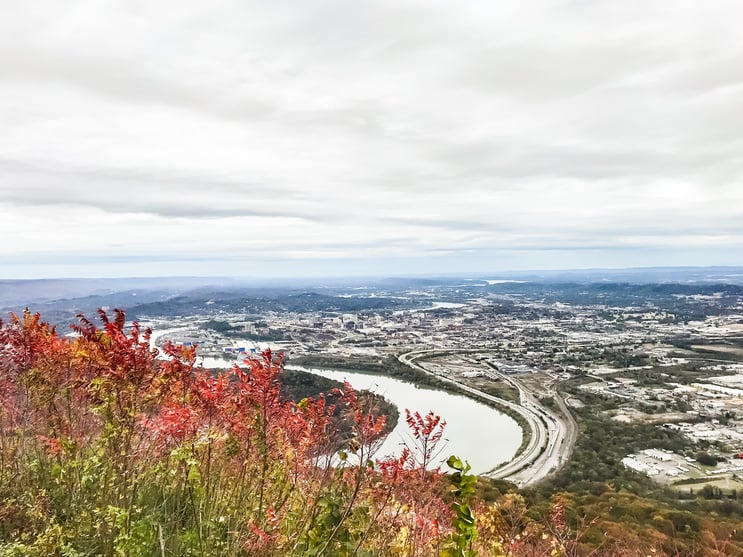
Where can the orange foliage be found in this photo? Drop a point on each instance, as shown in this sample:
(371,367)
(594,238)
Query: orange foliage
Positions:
(108,447)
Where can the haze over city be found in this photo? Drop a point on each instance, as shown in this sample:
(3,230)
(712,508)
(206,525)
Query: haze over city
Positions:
(261,139)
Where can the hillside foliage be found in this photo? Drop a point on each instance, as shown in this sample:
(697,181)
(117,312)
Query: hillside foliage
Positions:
(110,447)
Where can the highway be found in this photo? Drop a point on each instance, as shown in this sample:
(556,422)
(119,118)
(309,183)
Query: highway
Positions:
(552,435)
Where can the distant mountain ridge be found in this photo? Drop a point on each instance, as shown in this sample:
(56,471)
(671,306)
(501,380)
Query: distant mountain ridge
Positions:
(61,299)
(15,292)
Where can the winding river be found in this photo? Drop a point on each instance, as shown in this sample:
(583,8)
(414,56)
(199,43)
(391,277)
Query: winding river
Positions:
(474,431)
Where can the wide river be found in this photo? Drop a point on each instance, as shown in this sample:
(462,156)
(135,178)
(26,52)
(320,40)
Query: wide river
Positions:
(474,431)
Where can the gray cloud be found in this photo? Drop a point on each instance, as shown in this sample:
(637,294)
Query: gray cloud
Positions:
(131,191)
(374,130)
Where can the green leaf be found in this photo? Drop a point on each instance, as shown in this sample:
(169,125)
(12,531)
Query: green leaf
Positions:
(454,462)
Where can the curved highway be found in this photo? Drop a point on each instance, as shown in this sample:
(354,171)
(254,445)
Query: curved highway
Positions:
(552,436)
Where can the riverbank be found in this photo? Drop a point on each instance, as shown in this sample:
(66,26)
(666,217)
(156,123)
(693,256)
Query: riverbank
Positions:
(392,367)
(476,432)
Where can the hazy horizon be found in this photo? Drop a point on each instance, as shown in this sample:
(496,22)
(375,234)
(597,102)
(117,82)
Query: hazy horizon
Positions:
(679,270)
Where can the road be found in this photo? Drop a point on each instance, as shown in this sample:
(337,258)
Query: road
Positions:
(552,435)
(557,437)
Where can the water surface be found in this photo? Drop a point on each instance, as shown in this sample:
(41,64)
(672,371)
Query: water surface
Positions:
(474,431)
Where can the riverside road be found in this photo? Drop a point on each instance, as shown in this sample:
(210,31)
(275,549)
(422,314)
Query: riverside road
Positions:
(552,435)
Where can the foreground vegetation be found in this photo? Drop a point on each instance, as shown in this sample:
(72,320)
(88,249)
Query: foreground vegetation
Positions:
(106,448)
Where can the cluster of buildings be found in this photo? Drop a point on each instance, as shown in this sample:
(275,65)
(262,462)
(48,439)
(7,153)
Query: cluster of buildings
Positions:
(683,375)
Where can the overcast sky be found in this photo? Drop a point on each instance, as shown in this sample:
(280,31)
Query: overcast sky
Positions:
(368,137)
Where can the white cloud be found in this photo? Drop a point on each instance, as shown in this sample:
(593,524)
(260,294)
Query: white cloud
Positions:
(438,133)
